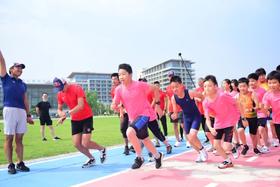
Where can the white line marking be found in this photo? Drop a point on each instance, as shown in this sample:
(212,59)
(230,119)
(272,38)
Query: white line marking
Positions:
(253,158)
(212,185)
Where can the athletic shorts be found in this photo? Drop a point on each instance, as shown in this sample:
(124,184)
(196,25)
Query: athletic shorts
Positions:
(228,132)
(253,125)
(14,121)
(84,126)
(45,121)
(140,125)
(212,124)
(262,122)
(191,122)
(178,120)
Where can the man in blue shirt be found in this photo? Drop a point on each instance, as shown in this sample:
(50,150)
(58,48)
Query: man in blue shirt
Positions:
(15,113)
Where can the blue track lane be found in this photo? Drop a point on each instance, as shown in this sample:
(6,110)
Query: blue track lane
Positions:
(67,171)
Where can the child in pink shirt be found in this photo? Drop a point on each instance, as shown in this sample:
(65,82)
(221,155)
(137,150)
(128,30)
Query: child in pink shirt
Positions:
(226,115)
(133,96)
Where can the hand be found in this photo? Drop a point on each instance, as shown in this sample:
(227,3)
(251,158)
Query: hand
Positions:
(213,131)
(30,120)
(174,116)
(61,120)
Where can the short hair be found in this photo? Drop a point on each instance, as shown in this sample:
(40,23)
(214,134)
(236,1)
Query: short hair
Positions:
(253,76)
(142,79)
(156,82)
(274,75)
(260,71)
(211,78)
(243,80)
(126,67)
(201,79)
(115,75)
(176,78)
(278,68)
(45,93)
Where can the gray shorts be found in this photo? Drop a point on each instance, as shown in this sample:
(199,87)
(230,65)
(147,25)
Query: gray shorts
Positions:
(14,121)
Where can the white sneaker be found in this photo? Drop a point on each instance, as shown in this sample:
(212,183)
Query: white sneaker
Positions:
(275,142)
(264,149)
(203,155)
(235,153)
(188,145)
(198,159)
(177,144)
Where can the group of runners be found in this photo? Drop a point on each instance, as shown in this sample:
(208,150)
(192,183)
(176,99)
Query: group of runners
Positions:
(223,112)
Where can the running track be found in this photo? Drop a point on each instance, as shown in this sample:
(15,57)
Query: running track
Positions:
(179,169)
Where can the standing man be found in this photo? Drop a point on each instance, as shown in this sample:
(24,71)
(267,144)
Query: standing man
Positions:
(15,113)
(81,119)
(42,109)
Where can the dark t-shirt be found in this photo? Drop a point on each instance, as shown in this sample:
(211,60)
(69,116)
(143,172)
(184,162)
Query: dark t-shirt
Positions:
(44,107)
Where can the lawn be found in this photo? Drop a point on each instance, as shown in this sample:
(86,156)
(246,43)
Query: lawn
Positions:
(106,132)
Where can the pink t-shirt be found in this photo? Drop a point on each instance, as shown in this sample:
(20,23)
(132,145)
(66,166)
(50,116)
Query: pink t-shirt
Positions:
(260,93)
(224,109)
(272,100)
(233,93)
(134,99)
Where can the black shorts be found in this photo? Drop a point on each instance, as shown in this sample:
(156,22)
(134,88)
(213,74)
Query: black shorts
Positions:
(212,124)
(140,125)
(253,125)
(45,121)
(228,132)
(262,122)
(84,126)
(178,120)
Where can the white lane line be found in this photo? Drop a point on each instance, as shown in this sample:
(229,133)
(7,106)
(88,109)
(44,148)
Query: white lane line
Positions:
(212,185)
(253,158)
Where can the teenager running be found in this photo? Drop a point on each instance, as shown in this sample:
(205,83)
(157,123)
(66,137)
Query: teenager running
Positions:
(133,96)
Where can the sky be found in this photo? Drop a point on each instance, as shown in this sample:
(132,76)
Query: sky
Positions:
(226,38)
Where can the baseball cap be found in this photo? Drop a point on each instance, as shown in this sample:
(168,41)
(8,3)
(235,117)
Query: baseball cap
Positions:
(58,85)
(170,73)
(18,65)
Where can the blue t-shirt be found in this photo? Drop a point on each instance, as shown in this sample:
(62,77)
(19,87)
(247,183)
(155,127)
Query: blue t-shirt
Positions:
(14,90)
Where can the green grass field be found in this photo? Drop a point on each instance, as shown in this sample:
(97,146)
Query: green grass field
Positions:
(106,132)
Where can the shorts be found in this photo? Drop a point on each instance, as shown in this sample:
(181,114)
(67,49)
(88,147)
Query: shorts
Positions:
(253,125)
(140,125)
(45,121)
(84,126)
(14,121)
(212,124)
(262,122)
(228,132)
(178,120)
(191,122)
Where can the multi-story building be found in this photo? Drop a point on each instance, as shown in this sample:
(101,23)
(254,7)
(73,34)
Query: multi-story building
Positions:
(98,82)
(160,72)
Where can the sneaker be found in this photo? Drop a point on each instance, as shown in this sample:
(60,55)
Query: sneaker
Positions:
(257,151)
(225,164)
(11,168)
(159,160)
(198,159)
(157,144)
(56,138)
(137,163)
(245,150)
(235,153)
(44,139)
(264,149)
(237,145)
(89,163)
(21,167)
(132,149)
(103,155)
(188,145)
(169,149)
(151,158)
(203,155)
(126,150)
(275,142)
(177,144)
